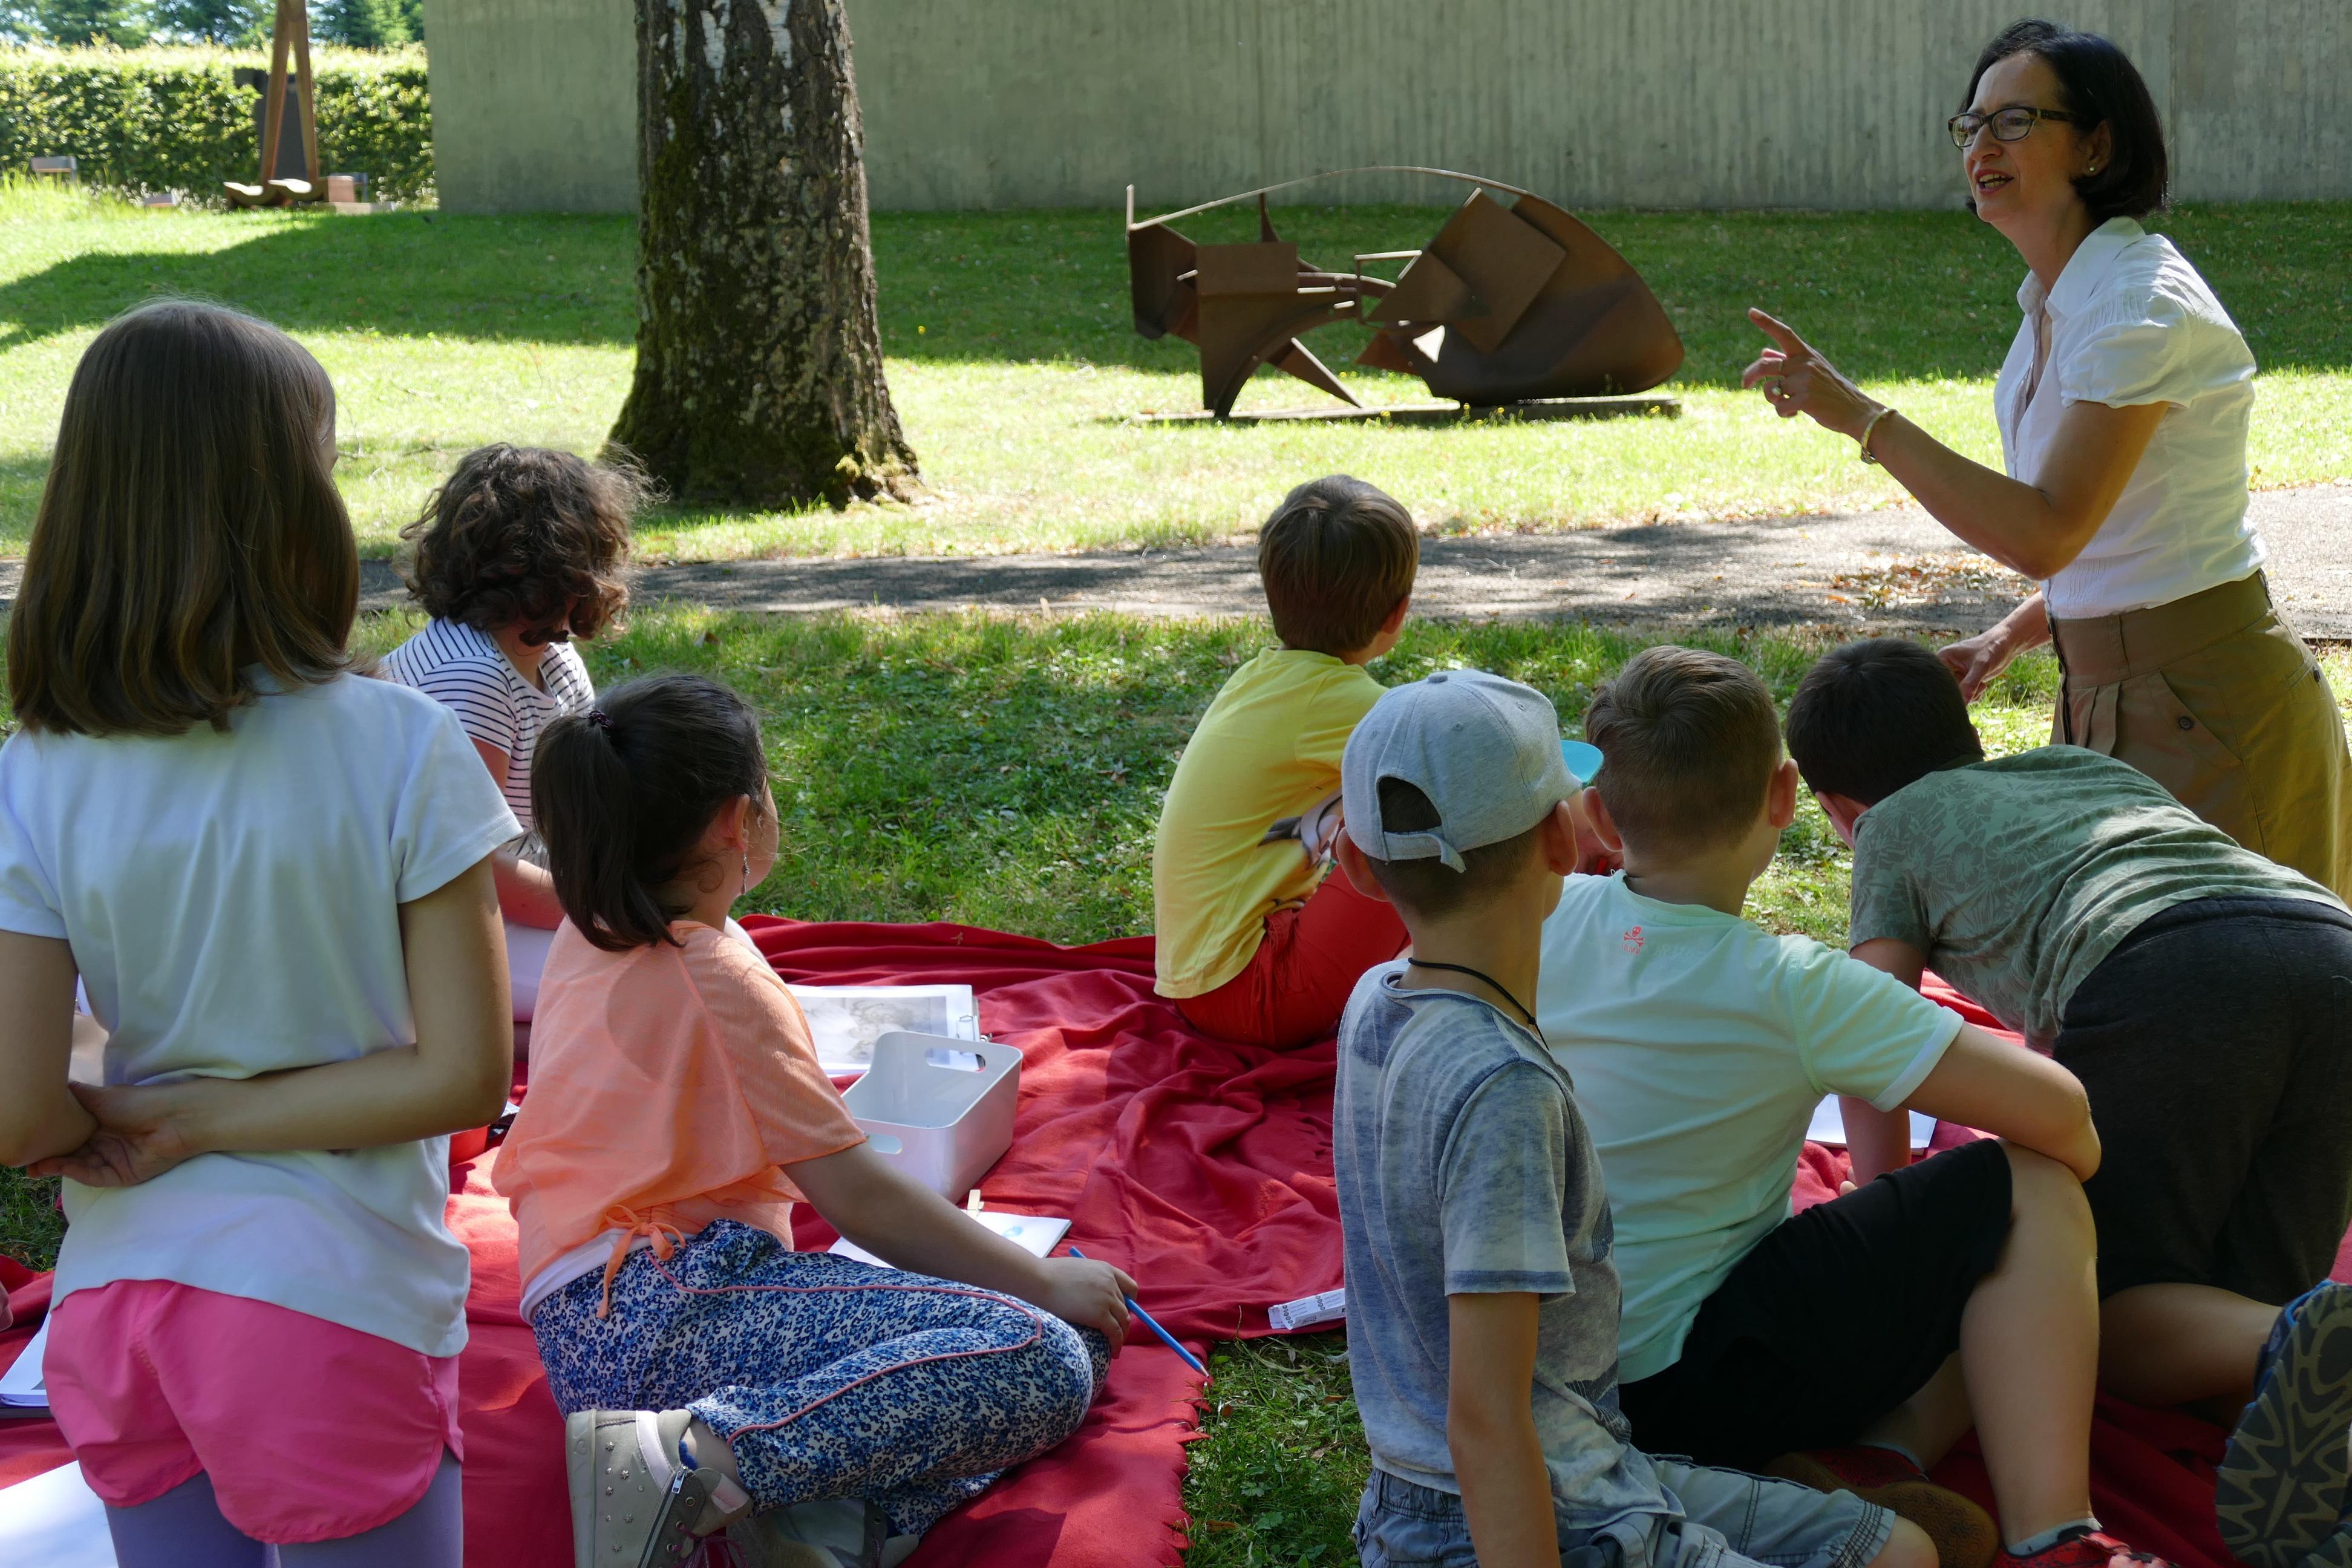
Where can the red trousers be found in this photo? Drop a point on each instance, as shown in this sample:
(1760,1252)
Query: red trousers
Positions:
(1298,980)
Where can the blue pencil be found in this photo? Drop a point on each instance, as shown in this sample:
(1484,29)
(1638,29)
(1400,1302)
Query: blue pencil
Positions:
(1165,1337)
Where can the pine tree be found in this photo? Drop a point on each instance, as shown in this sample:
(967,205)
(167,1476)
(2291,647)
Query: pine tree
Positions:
(362,23)
(78,22)
(230,22)
(20,22)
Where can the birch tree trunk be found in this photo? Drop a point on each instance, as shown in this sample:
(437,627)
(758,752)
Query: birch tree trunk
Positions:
(759,377)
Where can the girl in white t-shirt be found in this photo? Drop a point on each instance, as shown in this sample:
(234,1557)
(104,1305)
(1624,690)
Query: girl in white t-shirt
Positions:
(272,877)
(517,553)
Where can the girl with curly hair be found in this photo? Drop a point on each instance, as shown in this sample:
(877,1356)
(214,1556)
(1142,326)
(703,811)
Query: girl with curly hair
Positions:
(518,552)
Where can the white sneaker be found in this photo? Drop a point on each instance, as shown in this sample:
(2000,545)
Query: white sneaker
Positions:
(633,1504)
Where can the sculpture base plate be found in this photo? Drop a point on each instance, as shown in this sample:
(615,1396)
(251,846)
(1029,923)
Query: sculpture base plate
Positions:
(1439,412)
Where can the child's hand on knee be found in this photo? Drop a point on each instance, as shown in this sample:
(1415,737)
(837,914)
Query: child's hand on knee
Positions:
(1090,1294)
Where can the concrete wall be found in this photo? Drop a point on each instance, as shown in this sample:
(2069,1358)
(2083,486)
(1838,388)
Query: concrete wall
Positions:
(534,104)
(1714,104)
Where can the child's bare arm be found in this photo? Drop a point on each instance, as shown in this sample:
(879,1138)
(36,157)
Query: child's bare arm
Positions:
(526,892)
(1490,1429)
(897,1218)
(1987,1083)
(456,1075)
(38,1115)
(1888,956)
(1876,1141)
(1880,1141)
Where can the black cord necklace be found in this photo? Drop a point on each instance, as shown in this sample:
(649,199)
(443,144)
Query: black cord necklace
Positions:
(1526,1011)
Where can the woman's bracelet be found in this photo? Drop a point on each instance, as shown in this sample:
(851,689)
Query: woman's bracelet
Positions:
(1866,432)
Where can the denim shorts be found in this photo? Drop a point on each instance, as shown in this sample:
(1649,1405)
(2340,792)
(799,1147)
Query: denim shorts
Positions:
(1713,1519)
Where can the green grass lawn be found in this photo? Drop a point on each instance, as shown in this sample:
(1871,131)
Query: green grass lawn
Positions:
(1007,773)
(1014,365)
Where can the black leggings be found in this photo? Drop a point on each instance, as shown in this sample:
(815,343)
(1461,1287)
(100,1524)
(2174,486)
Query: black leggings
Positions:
(2216,1045)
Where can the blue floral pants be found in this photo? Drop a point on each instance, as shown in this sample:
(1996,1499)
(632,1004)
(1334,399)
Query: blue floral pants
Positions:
(827,1377)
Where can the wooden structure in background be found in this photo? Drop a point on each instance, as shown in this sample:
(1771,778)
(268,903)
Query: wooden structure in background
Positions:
(291,33)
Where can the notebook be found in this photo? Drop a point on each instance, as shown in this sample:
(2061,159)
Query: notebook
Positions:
(845,1020)
(1829,1127)
(1326,1307)
(21,1387)
(1039,1232)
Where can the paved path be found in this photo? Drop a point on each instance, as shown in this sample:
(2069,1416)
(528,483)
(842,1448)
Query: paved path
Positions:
(1891,569)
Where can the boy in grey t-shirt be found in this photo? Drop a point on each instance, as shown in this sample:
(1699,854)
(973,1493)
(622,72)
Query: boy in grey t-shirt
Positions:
(1483,1306)
(2203,996)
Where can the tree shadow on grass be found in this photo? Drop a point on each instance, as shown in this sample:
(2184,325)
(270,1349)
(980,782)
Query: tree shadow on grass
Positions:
(1887,295)
(545,278)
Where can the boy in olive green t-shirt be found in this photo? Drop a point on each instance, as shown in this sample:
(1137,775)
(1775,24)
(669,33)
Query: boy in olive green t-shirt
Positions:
(1256,943)
(2201,993)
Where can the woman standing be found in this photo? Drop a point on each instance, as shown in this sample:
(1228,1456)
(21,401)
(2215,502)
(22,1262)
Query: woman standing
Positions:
(2122,408)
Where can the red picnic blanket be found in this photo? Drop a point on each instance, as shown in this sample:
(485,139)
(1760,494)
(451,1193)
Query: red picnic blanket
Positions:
(1204,1169)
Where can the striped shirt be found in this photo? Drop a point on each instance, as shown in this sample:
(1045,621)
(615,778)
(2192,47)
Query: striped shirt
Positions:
(464,669)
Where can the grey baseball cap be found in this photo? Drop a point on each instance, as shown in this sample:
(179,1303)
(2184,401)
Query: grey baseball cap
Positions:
(1486,750)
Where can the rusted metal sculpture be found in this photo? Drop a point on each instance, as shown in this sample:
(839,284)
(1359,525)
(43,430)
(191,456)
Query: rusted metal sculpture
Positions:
(1508,303)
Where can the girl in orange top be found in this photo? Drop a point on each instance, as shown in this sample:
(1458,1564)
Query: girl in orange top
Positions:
(712,1377)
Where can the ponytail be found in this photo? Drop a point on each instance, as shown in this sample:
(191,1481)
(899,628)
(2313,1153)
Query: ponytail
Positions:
(622,795)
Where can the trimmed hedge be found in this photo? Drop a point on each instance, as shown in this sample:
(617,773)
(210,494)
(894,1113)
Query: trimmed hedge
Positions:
(163,119)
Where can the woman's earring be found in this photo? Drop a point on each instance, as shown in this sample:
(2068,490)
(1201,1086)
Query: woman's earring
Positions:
(747,874)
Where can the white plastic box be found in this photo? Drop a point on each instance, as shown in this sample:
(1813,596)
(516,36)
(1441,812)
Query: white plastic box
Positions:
(940,1107)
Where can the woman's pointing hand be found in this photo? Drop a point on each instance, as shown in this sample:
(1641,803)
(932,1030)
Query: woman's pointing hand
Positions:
(1798,379)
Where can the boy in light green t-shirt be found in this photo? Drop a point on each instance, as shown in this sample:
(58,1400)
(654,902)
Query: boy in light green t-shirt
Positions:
(1256,943)
(2203,996)
(1851,1345)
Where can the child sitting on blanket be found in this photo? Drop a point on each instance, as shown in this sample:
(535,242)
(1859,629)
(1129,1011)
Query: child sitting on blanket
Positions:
(1255,942)
(273,879)
(2203,996)
(518,552)
(1482,1301)
(1870,1326)
(713,1377)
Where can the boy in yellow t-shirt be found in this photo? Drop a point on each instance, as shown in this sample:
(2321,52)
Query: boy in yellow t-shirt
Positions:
(1256,943)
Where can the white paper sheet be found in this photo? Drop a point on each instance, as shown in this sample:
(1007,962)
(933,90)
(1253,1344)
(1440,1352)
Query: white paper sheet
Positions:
(1829,1126)
(845,1020)
(21,1385)
(54,1520)
(1037,1232)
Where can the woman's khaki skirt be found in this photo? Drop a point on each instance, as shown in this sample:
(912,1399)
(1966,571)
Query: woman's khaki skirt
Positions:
(2216,697)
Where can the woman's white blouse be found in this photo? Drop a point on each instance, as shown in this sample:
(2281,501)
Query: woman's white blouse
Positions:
(2130,322)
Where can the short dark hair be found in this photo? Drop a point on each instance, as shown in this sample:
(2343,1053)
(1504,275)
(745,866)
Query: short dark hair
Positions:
(189,536)
(1873,716)
(1335,557)
(1690,740)
(1430,888)
(518,534)
(2097,81)
(622,793)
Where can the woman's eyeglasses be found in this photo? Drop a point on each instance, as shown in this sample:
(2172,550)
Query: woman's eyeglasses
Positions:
(2013,125)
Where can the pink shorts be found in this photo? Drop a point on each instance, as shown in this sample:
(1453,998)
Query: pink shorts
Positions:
(308,1430)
